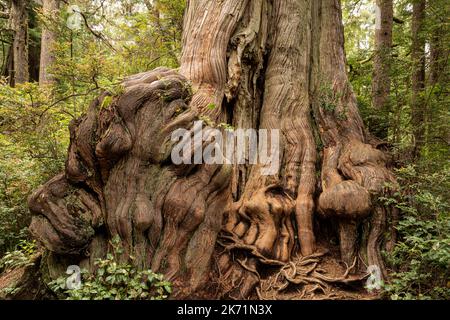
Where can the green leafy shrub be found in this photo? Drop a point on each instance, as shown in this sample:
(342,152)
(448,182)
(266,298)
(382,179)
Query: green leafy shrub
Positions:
(33,140)
(422,255)
(114,280)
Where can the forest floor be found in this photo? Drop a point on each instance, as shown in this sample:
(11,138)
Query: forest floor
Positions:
(321,276)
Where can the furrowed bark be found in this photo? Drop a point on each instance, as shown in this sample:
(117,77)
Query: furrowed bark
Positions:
(220,230)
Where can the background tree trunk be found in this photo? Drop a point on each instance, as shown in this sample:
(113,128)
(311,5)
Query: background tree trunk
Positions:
(19,25)
(50,8)
(437,57)
(9,66)
(418,76)
(228,230)
(381,82)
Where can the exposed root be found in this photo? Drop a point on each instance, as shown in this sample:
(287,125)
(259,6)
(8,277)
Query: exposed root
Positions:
(305,274)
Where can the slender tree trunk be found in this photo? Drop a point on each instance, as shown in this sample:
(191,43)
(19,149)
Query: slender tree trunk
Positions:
(19,24)
(8,66)
(381,80)
(418,76)
(50,8)
(222,230)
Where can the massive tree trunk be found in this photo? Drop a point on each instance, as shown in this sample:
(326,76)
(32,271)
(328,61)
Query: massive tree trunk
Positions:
(19,25)
(381,81)
(418,76)
(228,230)
(50,8)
